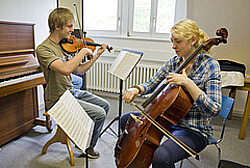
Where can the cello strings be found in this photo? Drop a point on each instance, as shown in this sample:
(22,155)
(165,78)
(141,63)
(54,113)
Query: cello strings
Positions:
(167,133)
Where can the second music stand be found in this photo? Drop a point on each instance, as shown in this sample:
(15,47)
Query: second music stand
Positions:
(126,62)
(117,118)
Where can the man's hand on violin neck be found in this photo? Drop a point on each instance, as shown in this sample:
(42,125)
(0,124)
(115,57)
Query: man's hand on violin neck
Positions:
(101,49)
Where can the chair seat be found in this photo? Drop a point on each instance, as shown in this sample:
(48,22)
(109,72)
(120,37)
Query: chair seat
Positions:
(212,141)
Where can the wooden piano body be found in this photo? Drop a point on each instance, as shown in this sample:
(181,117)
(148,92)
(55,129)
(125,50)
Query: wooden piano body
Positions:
(20,74)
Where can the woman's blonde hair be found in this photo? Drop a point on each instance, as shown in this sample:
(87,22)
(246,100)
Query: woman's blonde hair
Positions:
(59,17)
(186,29)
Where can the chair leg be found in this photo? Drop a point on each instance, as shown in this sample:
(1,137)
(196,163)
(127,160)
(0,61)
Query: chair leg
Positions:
(72,162)
(219,153)
(60,136)
(181,163)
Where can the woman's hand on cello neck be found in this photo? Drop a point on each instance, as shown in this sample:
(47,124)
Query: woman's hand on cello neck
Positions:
(178,79)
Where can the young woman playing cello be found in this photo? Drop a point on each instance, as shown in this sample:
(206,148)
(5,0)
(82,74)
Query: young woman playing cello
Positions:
(201,79)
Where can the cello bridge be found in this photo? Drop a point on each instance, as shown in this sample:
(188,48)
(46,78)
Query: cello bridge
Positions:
(136,118)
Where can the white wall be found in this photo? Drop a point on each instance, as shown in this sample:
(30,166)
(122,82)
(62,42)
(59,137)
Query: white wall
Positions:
(234,15)
(29,11)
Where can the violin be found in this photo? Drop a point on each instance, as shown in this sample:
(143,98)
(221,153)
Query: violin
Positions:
(72,44)
(165,107)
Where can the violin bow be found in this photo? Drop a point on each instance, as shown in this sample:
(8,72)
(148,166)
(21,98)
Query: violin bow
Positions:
(78,20)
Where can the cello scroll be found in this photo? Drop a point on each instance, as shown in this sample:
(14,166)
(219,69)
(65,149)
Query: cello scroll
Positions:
(223,33)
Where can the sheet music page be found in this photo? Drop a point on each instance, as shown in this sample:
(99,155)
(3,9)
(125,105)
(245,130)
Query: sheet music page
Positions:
(117,62)
(124,64)
(74,121)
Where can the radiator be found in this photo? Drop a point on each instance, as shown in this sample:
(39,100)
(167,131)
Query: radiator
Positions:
(98,77)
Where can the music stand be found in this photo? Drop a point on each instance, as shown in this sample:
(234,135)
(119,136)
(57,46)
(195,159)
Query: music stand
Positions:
(68,114)
(122,68)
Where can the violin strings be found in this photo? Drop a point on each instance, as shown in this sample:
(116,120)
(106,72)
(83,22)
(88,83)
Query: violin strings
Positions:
(167,133)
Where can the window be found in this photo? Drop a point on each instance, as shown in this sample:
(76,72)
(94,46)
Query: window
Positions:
(133,18)
(101,15)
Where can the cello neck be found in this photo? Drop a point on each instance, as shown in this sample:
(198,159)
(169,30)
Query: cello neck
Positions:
(189,59)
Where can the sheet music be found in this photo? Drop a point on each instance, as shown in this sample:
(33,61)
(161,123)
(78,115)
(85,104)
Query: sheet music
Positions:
(124,63)
(74,121)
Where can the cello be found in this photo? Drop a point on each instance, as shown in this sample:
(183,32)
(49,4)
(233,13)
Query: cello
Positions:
(167,106)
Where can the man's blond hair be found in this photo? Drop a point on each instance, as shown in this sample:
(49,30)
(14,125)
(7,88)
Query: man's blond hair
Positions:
(59,17)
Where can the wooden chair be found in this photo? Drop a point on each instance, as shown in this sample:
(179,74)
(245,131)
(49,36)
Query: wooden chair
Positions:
(62,137)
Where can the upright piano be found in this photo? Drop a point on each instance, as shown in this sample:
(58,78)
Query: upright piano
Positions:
(20,74)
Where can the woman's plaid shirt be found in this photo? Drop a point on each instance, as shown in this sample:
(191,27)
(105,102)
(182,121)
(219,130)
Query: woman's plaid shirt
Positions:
(206,75)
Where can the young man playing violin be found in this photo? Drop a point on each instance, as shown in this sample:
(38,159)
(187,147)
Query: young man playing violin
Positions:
(201,79)
(57,70)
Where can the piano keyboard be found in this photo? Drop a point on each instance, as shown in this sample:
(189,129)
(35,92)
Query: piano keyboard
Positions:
(21,79)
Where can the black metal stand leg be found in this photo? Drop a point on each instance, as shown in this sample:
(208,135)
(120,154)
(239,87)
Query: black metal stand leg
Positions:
(117,117)
(120,108)
(87,162)
(108,126)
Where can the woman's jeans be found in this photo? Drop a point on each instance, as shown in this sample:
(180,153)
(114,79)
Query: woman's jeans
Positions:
(169,153)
